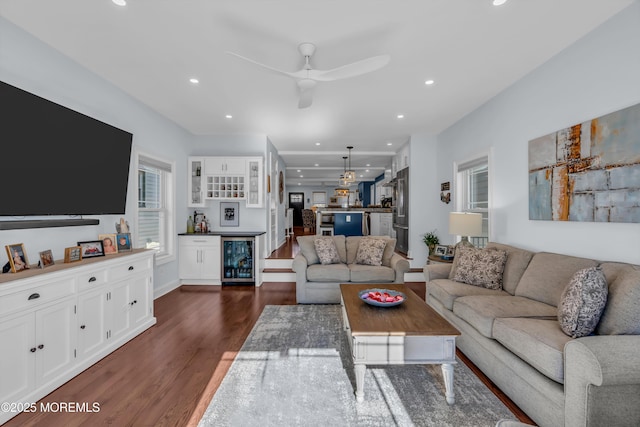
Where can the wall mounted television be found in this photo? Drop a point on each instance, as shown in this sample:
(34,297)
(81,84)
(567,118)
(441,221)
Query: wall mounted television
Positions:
(57,161)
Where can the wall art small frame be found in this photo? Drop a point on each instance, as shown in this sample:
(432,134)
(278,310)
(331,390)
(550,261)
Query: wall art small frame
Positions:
(123,242)
(109,243)
(17,257)
(91,248)
(46,258)
(441,250)
(72,254)
(229,214)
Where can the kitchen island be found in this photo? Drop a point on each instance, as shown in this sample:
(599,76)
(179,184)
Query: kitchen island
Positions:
(354,221)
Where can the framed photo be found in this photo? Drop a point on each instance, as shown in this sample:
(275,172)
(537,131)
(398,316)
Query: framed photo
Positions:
(229,214)
(72,254)
(46,259)
(441,250)
(109,243)
(123,242)
(17,257)
(451,250)
(92,248)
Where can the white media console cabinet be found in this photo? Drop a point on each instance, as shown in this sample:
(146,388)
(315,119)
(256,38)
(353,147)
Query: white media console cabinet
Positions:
(58,321)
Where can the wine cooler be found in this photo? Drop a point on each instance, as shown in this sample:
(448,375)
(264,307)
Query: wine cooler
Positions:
(238,260)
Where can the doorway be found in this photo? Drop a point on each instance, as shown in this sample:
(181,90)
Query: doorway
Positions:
(296,202)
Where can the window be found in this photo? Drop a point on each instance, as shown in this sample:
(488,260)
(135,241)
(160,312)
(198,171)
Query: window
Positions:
(473,191)
(155,223)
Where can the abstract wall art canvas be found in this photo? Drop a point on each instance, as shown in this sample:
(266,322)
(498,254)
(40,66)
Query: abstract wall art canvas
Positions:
(588,172)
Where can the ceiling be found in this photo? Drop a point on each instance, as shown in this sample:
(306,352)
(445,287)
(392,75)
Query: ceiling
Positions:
(470,48)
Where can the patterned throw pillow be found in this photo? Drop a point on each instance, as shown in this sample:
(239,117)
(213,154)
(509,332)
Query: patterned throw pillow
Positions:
(327,251)
(583,302)
(370,251)
(480,267)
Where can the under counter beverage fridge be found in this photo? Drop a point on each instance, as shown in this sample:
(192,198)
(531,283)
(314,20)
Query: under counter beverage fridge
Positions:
(238,260)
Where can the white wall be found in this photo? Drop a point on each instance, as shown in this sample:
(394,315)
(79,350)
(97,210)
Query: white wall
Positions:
(29,64)
(595,76)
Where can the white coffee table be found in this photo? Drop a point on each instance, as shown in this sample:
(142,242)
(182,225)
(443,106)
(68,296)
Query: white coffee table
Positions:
(410,333)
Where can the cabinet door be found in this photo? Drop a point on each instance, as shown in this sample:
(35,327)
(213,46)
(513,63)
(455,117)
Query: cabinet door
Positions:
(195,190)
(55,341)
(254,187)
(235,166)
(210,266)
(91,323)
(118,309)
(17,358)
(189,266)
(139,296)
(214,165)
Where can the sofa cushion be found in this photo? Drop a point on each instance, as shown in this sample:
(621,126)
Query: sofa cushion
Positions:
(328,273)
(548,274)
(538,342)
(621,315)
(480,267)
(369,273)
(370,251)
(446,291)
(481,310)
(308,249)
(352,243)
(326,250)
(582,302)
(517,262)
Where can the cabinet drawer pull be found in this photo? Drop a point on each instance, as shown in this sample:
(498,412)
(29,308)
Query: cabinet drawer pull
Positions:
(32,350)
(92,279)
(131,268)
(41,346)
(34,296)
(83,326)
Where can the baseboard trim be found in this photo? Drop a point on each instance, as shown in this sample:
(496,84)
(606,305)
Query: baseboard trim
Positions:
(168,287)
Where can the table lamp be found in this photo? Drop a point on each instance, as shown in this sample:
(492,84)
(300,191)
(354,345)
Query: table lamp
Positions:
(465,224)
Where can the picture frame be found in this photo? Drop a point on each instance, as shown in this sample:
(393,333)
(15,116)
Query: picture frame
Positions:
(46,258)
(123,242)
(109,243)
(229,214)
(91,248)
(72,254)
(17,257)
(441,250)
(451,251)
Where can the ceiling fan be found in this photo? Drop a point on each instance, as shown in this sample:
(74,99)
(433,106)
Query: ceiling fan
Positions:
(307,77)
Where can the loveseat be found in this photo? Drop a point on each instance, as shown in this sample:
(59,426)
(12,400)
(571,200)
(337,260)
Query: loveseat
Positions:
(320,284)
(514,336)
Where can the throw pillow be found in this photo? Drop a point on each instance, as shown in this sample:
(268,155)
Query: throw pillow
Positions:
(370,251)
(480,267)
(327,251)
(583,302)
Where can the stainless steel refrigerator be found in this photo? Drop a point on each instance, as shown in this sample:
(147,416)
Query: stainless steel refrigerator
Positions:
(401,211)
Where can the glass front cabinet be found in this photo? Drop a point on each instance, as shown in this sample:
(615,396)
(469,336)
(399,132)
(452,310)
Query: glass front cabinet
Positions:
(195,182)
(238,260)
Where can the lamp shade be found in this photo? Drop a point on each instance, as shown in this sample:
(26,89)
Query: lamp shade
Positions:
(465,224)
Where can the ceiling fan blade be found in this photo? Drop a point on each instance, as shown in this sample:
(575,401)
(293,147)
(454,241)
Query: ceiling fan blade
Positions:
(351,70)
(306,92)
(261,65)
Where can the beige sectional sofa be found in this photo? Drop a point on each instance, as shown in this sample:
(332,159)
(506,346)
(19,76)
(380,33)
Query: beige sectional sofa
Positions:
(513,335)
(320,284)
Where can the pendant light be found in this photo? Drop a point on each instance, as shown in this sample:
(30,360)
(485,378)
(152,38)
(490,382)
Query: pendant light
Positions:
(343,190)
(350,175)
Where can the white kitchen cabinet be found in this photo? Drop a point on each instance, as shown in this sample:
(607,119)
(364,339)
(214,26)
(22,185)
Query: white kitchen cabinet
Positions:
(195,187)
(381,224)
(55,324)
(225,165)
(199,260)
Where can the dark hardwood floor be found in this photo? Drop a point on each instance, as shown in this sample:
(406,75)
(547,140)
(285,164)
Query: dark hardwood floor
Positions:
(167,375)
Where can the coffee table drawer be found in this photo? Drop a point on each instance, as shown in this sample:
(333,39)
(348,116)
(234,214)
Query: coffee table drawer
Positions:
(430,349)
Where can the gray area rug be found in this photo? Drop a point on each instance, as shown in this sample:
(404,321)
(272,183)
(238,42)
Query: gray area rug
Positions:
(295,369)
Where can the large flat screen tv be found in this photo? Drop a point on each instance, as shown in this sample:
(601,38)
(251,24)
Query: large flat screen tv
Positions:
(56,161)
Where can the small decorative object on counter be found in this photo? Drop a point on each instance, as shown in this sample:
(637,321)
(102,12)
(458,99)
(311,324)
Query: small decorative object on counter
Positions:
(190,225)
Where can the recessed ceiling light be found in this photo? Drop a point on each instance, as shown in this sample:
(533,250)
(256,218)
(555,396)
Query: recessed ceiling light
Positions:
(361,176)
(389,143)
(316,165)
(368,164)
(317,143)
(298,171)
(194,80)
(400,116)
(499,2)
(429,82)
(301,176)
(228,116)
(119,2)
(299,184)
(367,170)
